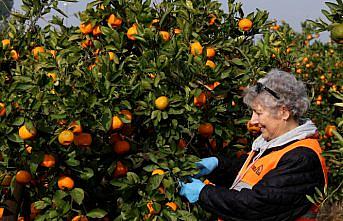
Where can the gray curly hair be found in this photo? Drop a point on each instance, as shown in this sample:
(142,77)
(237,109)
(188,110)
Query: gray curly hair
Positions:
(291,92)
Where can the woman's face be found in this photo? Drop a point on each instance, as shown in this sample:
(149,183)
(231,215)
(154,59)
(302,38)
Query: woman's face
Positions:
(271,125)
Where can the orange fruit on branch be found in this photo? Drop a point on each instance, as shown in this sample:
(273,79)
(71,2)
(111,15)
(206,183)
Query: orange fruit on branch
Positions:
(66,137)
(196,48)
(120,170)
(165,35)
(117,123)
(206,129)
(182,144)
(23,177)
(80,218)
(114,138)
(2,109)
(157,171)
(65,182)
(97,31)
(48,161)
(177,31)
(211,87)
(151,209)
(212,19)
(37,50)
(213,145)
(121,147)
(14,55)
(210,52)
(245,24)
(75,127)
(83,139)
(114,21)
(127,114)
(162,102)
(133,30)
(53,53)
(211,64)
(6,43)
(86,28)
(200,100)
(111,55)
(172,205)
(86,43)
(27,133)
(329,129)
(52,75)
(161,189)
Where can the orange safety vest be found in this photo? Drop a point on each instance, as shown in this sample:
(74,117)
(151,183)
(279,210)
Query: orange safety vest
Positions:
(266,163)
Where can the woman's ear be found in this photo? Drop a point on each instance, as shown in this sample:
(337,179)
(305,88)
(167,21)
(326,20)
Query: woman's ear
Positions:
(285,113)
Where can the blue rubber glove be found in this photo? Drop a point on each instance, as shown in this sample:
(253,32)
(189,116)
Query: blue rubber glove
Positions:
(206,166)
(191,190)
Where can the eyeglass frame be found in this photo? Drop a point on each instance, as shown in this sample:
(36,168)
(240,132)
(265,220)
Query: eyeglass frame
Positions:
(260,87)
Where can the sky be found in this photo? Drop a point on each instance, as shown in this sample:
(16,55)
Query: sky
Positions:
(292,11)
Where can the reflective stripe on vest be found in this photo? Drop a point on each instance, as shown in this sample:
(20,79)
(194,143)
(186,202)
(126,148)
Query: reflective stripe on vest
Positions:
(268,162)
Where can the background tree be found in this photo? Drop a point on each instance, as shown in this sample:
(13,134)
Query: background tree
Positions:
(5,9)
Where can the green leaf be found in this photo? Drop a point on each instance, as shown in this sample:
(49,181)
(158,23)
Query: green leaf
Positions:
(61,12)
(72,162)
(24,87)
(74,37)
(238,62)
(164,115)
(154,114)
(52,214)
(87,173)
(310,199)
(18,121)
(152,157)
(186,215)
(97,213)
(57,116)
(41,204)
(14,137)
(106,30)
(78,195)
(132,178)
(119,184)
(331,5)
(106,119)
(59,194)
(327,14)
(154,182)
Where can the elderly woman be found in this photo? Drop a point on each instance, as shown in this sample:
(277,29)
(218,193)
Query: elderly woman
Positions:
(284,165)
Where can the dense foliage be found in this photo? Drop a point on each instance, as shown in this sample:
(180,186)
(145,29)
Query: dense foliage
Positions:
(102,120)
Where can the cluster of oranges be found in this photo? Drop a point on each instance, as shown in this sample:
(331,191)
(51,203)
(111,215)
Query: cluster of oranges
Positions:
(6,44)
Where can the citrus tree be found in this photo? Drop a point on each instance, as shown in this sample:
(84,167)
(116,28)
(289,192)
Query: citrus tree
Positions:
(104,119)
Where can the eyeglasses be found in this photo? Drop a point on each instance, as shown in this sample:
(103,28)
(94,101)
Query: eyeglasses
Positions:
(260,87)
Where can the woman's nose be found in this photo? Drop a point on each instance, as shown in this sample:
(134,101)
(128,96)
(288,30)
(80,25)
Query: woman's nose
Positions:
(254,119)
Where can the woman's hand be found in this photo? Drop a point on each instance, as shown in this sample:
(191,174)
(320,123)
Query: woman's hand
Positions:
(206,166)
(191,190)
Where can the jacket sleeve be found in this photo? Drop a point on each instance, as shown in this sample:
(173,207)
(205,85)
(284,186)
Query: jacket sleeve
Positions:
(280,195)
